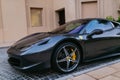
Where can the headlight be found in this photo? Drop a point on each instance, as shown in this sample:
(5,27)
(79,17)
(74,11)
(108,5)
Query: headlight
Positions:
(41,42)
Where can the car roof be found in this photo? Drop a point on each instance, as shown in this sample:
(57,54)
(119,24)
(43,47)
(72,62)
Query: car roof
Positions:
(87,19)
(82,21)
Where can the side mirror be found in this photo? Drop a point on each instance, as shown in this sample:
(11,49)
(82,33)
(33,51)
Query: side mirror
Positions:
(95,32)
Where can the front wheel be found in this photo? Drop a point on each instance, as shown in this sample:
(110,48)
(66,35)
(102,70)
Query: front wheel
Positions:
(66,57)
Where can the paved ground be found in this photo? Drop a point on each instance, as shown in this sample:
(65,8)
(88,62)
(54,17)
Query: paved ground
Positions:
(111,72)
(8,73)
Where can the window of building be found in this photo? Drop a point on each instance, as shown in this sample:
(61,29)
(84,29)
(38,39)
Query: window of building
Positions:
(61,16)
(36,17)
(87,6)
(118,12)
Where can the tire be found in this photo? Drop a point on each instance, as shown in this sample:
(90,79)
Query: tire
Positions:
(66,57)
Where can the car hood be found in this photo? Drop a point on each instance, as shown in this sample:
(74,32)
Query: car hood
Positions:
(31,39)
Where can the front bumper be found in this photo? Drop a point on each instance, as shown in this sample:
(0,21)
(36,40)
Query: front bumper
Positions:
(34,61)
(32,67)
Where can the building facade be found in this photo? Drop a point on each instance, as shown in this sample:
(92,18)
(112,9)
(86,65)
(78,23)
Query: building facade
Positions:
(19,18)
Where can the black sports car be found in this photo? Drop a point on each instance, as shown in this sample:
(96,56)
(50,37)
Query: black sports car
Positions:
(65,47)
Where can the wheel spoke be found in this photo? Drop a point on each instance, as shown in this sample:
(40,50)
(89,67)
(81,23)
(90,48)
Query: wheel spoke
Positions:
(73,52)
(62,60)
(65,51)
(74,61)
(68,64)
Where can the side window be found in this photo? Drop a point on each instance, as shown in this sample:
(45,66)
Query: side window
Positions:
(97,24)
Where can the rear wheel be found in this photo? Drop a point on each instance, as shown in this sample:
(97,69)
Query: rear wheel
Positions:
(66,57)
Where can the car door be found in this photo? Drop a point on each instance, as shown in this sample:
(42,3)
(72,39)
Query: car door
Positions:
(103,44)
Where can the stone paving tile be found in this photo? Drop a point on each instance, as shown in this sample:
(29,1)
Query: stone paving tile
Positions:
(116,66)
(65,78)
(110,78)
(82,77)
(117,74)
(100,73)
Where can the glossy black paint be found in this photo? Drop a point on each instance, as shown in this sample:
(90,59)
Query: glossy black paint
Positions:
(35,51)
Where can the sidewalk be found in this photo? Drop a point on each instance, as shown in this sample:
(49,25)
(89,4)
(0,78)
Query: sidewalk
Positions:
(111,72)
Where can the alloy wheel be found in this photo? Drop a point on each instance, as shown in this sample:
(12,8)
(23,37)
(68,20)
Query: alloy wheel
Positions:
(68,58)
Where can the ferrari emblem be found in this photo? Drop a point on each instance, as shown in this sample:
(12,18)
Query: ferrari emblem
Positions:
(80,37)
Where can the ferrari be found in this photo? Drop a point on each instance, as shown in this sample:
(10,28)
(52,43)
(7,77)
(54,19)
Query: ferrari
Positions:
(68,46)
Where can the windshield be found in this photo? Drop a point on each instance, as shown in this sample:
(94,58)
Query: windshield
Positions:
(70,28)
(76,30)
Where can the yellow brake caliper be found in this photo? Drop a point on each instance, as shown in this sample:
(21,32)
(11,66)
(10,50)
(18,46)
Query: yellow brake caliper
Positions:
(73,55)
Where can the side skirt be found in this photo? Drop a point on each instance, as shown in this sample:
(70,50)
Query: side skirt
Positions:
(103,57)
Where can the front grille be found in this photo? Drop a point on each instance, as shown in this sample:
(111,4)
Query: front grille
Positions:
(14,62)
